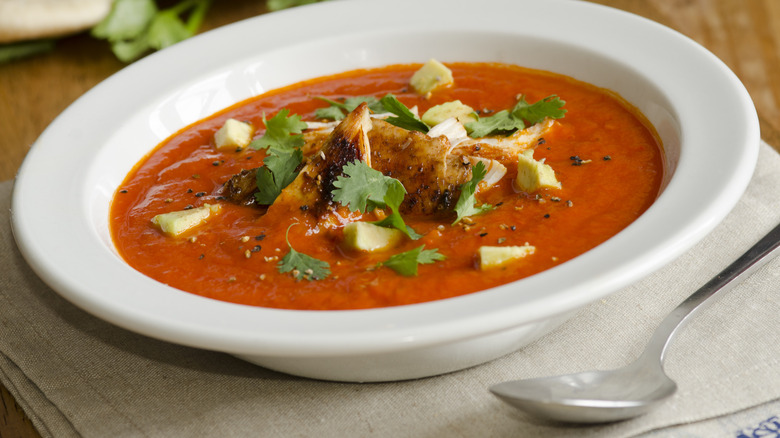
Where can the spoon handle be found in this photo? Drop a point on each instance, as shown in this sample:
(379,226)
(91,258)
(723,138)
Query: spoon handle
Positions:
(749,262)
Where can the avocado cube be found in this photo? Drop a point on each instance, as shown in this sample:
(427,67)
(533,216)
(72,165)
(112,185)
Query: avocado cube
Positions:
(234,134)
(533,175)
(432,75)
(496,256)
(176,223)
(364,236)
(455,108)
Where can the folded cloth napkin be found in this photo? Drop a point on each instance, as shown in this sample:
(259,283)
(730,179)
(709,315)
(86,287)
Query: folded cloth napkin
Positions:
(76,375)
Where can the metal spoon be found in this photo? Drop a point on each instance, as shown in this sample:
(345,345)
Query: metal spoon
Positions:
(623,393)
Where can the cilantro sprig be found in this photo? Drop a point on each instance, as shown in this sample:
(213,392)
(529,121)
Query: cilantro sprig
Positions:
(338,110)
(282,141)
(521,115)
(466,205)
(406,263)
(135,27)
(300,265)
(364,189)
(404,118)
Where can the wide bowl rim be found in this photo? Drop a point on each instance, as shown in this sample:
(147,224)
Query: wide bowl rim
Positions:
(192,320)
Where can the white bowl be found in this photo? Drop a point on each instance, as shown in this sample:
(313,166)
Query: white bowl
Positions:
(61,199)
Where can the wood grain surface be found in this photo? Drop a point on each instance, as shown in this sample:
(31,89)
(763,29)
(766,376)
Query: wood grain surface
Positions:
(745,34)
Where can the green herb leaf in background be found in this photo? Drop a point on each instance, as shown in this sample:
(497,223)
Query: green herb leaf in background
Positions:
(135,27)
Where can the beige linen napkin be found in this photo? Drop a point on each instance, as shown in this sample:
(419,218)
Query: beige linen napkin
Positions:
(76,375)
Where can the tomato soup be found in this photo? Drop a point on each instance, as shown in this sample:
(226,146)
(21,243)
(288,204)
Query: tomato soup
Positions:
(605,155)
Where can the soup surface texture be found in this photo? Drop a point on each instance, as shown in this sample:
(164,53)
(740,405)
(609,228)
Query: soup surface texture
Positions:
(604,154)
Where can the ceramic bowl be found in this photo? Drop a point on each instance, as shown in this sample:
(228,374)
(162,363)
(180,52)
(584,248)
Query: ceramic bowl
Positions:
(700,109)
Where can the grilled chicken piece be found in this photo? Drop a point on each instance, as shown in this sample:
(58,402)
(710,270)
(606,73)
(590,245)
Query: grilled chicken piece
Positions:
(431,177)
(313,186)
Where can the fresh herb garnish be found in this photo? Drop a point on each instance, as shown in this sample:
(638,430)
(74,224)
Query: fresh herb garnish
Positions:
(282,141)
(302,266)
(521,115)
(404,117)
(134,27)
(406,263)
(338,110)
(363,189)
(281,132)
(466,202)
(279,170)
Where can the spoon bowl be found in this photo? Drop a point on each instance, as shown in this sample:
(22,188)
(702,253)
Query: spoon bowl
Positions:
(591,396)
(623,393)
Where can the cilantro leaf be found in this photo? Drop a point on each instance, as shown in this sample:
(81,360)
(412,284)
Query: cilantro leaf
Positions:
(404,118)
(338,110)
(281,132)
(279,170)
(393,198)
(406,263)
(550,106)
(522,114)
(363,189)
(134,27)
(466,202)
(500,122)
(302,266)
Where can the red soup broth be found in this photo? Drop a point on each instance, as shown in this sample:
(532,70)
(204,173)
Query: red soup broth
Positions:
(605,154)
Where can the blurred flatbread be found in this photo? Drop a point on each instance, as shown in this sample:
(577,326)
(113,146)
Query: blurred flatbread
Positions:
(34,19)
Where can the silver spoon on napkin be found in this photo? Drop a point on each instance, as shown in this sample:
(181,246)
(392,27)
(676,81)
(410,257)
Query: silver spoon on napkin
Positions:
(623,393)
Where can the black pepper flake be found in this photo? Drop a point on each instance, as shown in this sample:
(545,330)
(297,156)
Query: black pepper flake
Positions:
(260,237)
(500,204)
(123,191)
(304,207)
(477,147)
(482,234)
(199,194)
(512,227)
(607,158)
(216,163)
(189,190)
(547,216)
(576,160)
(239,149)
(201,256)
(221,198)
(189,207)
(256,248)
(541,141)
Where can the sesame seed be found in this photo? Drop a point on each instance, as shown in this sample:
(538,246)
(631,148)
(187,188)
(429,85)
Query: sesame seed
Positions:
(569,203)
(261,276)
(501,240)
(245,238)
(232,279)
(199,194)
(247,253)
(193,239)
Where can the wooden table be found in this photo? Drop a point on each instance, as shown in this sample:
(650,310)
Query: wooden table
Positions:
(745,34)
